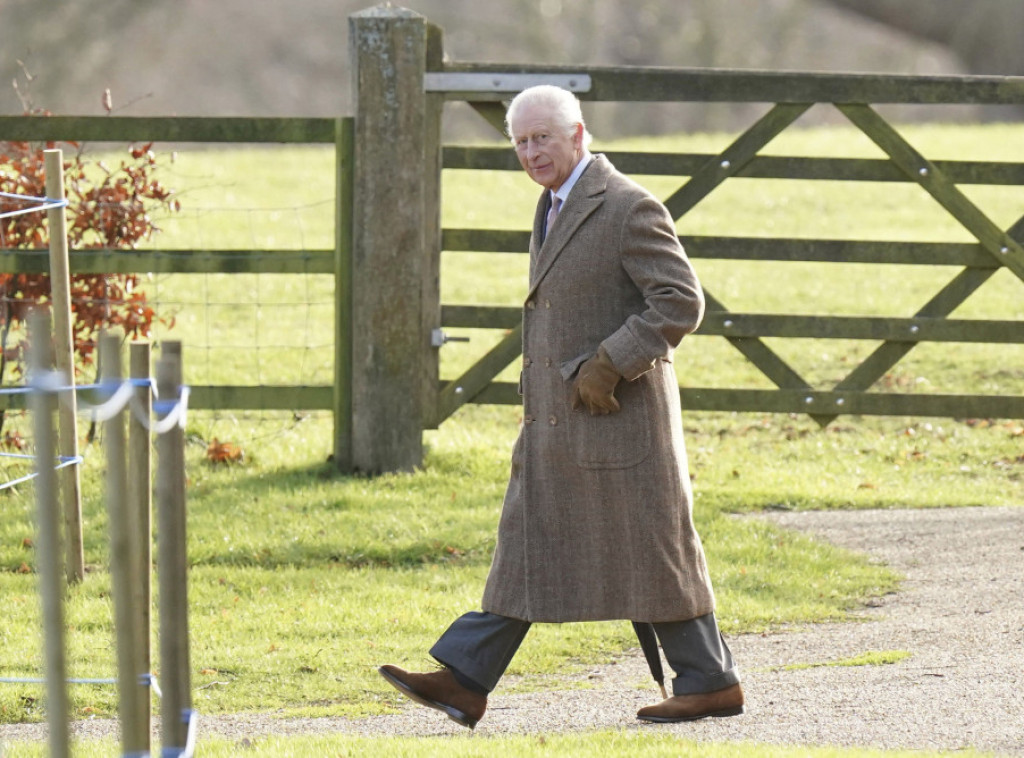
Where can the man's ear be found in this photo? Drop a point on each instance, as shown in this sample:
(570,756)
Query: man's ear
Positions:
(577,137)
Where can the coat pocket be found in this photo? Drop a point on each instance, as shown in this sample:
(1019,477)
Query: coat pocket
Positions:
(618,440)
(568,369)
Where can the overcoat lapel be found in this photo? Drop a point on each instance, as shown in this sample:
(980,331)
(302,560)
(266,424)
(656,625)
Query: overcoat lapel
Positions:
(585,198)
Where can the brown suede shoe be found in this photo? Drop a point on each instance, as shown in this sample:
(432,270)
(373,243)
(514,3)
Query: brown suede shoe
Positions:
(727,702)
(439,690)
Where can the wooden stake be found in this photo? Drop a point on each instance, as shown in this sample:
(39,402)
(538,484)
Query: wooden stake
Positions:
(124,561)
(172,561)
(60,284)
(48,550)
(140,503)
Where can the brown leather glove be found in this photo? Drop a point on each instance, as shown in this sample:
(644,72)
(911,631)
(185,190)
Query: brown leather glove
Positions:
(595,384)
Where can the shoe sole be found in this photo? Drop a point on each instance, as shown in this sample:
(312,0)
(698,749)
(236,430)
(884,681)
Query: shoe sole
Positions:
(725,712)
(450,711)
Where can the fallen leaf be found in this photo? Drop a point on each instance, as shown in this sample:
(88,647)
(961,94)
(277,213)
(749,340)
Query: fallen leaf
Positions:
(224,452)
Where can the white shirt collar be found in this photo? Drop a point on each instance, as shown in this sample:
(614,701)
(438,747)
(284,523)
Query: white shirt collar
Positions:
(568,184)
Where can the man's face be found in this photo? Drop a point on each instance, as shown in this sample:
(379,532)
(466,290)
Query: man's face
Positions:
(544,148)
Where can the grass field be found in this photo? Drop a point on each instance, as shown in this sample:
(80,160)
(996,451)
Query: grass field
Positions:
(647,745)
(302,582)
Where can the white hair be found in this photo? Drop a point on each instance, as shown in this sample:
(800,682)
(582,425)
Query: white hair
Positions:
(563,104)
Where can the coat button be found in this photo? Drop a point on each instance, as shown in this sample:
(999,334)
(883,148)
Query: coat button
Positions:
(547,362)
(530,305)
(527,419)
(553,420)
(526,361)
(547,303)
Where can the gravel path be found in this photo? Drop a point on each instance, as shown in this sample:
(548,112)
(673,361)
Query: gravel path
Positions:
(960,613)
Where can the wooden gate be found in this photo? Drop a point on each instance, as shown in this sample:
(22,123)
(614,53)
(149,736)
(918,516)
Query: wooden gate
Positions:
(486,87)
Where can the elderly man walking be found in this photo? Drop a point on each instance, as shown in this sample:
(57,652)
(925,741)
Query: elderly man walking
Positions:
(596,522)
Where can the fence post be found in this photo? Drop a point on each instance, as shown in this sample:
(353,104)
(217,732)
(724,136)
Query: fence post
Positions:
(389,249)
(433,162)
(140,504)
(48,557)
(343,158)
(67,435)
(123,526)
(172,560)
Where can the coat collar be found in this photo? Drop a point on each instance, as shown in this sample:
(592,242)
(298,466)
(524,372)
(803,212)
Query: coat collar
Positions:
(585,198)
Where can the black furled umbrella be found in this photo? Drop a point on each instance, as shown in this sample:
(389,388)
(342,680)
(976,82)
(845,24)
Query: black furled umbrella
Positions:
(649,644)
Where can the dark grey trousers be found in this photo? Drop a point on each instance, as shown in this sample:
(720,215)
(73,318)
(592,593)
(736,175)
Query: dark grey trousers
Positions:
(479,646)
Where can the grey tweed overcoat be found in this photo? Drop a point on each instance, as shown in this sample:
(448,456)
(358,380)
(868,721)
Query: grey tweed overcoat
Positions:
(596,521)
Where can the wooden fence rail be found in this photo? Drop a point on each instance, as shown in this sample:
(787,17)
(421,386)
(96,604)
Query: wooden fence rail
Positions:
(495,83)
(111,261)
(167,129)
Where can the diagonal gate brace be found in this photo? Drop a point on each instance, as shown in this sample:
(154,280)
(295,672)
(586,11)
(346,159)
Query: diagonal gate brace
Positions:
(731,160)
(464,389)
(1001,245)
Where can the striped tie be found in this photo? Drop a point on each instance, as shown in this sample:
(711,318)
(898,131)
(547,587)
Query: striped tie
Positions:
(556,204)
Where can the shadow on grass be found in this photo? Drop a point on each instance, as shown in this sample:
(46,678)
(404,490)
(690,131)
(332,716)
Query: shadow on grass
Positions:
(314,516)
(412,555)
(775,501)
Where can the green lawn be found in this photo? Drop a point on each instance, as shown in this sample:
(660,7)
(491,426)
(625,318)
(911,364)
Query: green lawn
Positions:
(640,743)
(302,582)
